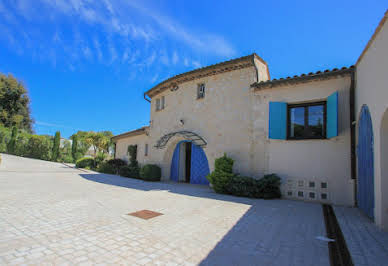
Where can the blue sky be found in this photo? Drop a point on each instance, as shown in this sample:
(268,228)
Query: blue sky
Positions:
(86,63)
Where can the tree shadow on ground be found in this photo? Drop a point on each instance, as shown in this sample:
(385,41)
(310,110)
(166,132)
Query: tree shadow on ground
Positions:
(202,191)
(271,232)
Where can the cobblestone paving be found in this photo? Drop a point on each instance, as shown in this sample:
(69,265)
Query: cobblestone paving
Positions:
(367,244)
(53,214)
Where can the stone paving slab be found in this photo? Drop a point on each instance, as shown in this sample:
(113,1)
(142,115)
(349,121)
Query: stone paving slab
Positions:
(50,214)
(367,244)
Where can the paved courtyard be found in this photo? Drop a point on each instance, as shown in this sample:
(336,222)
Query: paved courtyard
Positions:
(54,214)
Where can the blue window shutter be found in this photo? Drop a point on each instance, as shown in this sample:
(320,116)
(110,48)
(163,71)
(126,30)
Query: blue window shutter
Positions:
(277,120)
(332,116)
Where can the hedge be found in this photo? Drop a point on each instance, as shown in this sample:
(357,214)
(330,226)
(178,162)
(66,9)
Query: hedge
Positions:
(267,187)
(128,171)
(224,181)
(150,172)
(106,168)
(85,162)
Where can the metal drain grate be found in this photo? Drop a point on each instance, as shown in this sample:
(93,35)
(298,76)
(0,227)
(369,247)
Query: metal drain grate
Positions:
(145,214)
(338,250)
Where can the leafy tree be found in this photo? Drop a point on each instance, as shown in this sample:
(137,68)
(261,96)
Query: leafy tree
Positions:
(14,104)
(65,152)
(82,145)
(39,147)
(133,163)
(100,141)
(57,142)
(12,143)
(5,135)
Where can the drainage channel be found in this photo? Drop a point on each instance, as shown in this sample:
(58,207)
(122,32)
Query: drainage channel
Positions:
(338,251)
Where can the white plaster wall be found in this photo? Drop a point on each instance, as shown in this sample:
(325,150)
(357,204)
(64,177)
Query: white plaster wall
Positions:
(139,140)
(372,90)
(222,118)
(309,160)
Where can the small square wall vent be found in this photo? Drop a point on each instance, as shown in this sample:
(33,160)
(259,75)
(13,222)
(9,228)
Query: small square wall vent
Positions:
(145,214)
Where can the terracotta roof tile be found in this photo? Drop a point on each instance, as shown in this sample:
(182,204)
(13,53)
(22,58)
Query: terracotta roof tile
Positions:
(303,77)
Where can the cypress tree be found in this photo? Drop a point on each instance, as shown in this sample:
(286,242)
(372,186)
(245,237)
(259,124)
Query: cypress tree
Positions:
(57,140)
(12,143)
(74,148)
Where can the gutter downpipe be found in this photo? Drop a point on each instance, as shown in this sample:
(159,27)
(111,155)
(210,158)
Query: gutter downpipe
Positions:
(353,133)
(145,98)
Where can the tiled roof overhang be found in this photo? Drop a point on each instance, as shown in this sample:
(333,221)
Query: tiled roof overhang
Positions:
(136,132)
(238,63)
(320,75)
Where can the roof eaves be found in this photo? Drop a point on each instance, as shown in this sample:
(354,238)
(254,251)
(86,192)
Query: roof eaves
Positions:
(302,78)
(197,72)
(135,132)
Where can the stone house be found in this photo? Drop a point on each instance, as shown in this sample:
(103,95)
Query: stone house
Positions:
(301,128)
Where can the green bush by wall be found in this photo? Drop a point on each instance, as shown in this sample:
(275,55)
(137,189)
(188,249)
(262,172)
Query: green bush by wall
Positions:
(150,172)
(224,181)
(128,171)
(267,187)
(222,174)
(106,168)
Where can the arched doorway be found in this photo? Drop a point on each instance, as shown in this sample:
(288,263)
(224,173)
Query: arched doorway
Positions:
(365,162)
(189,164)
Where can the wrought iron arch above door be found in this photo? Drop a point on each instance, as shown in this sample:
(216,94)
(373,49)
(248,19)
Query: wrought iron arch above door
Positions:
(188,135)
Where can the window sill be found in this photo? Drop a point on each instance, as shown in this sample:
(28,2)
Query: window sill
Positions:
(298,139)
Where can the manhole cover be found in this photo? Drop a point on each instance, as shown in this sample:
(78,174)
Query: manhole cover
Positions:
(145,214)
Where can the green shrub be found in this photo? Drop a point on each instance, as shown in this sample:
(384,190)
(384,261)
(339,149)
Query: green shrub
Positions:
(77,156)
(100,157)
(39,147)
(85,163)
(267,187)
(128,171)
(66,158)
(57,142)
(21,144)
(12,143)
(150,172)
(5,135)
(74,148)
(106,168)
(116,164)
(222,174)
(270,186)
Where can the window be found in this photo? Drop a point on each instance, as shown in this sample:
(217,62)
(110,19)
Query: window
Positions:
(201,91)
(146,150)
(307,121)
(157,104)
(160,103)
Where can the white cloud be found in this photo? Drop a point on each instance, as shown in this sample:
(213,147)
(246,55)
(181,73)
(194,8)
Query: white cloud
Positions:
(186,62)
(196,64)
(175,58)
(46,124)
(106,31)
(97,47)
(206,43)
(154,78)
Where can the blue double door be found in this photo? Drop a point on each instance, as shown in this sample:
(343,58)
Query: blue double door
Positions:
(365,162)
(189,164)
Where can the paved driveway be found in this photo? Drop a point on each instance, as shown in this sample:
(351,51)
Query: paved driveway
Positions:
(53,214)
